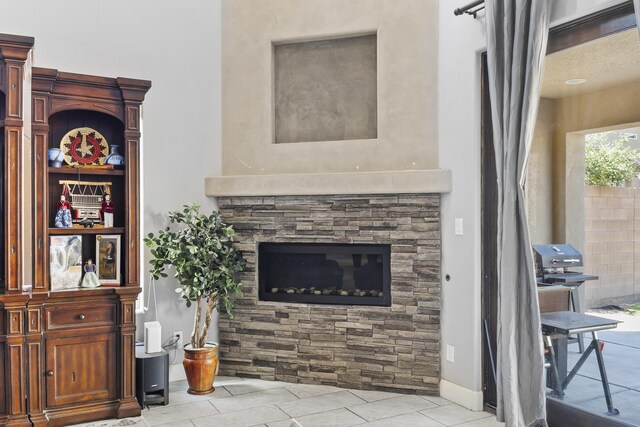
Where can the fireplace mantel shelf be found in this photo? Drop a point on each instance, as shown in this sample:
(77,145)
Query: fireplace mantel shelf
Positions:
(385,182)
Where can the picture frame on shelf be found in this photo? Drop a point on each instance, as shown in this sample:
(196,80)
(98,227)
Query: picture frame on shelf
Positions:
(65,262)
(108,259)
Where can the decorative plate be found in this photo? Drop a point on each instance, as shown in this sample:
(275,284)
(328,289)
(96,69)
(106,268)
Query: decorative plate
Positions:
(83,147)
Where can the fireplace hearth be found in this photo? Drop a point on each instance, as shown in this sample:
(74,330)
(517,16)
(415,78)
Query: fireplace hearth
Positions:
(353,274)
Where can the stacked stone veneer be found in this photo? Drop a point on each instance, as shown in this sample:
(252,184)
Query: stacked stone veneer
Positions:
(382,348)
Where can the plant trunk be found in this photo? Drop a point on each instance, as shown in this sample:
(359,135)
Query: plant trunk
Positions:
(195,335)
(211,305)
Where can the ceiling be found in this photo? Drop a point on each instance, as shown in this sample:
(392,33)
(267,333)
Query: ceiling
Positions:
(607,62)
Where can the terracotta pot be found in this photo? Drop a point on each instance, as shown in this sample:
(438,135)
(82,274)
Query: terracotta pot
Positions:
(200,365)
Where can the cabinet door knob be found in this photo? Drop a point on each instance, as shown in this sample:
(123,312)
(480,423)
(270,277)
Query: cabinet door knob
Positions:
(81,317)
(49,373)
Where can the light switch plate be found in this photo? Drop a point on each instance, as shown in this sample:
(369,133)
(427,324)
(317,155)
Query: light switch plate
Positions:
(450,353)
(459,227)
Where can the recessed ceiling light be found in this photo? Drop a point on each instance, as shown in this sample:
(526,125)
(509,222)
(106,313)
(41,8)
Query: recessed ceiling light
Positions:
(575,81)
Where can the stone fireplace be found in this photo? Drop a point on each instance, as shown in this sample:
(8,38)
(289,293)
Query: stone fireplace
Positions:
(394,347)
(330,141)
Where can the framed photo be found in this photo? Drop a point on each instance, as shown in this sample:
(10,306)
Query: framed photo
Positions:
(108,259)
(65,262)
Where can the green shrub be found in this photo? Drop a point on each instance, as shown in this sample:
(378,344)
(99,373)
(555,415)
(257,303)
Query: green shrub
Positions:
(609,163)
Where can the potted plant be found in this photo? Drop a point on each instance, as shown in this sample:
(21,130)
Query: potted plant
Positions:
(199,249)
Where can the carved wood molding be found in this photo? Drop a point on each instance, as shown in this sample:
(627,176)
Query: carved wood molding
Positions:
(15,47)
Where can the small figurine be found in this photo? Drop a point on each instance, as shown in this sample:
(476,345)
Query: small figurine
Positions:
(63,213)
(90,279)
(107,211)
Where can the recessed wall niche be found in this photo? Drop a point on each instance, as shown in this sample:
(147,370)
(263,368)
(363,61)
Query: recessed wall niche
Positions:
(326,90)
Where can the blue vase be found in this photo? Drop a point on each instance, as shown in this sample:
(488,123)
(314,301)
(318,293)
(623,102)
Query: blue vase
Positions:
(114,158)
(55,157)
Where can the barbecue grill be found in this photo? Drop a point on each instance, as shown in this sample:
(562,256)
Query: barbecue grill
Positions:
(555,276)
(554,266)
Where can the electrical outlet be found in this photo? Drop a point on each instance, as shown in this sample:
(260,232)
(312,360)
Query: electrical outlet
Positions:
(450,353)
(179,343)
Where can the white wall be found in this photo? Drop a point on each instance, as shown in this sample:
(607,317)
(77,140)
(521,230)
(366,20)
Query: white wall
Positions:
(175,46)
(461,41)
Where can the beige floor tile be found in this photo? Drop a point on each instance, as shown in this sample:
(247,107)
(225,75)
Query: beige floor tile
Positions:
(337,418)
(414,419)
(372,395)
(129,422)
(251,400)
(244,418)
(260,403)
(440,401)
(251,385)
(222,380)
(179,396)
(387,408)
(483,422)
(309,390)
(183,423)
(182,385)
(284,423)
(322,403)
(454,414)
(166,414)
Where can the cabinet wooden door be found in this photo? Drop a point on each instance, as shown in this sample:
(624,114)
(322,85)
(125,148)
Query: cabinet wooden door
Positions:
(80,368)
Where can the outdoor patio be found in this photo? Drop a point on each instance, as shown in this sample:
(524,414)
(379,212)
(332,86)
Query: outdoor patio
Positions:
(622,360)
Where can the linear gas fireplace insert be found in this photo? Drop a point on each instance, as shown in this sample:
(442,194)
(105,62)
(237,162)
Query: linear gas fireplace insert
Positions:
(325,273)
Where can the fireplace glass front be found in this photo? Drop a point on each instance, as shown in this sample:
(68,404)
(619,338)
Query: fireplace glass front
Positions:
(353,274)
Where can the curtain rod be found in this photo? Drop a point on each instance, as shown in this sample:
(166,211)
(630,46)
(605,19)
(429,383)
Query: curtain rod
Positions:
(466,9)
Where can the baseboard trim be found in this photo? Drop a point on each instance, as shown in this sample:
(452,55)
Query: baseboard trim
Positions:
(470,399)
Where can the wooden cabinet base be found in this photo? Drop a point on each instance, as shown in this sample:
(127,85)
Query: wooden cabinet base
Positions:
(75,374)
(39,420)
(129,408)
(15,421)
(81,414)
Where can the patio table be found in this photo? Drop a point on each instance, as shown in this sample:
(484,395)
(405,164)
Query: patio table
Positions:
(564,323)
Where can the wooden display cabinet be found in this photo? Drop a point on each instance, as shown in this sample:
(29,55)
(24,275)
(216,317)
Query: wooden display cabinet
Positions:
(14,52)
(69,350)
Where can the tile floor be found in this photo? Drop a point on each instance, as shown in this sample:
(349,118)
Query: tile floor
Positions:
(249,402)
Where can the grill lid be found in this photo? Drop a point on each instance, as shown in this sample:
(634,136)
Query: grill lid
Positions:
(556,256)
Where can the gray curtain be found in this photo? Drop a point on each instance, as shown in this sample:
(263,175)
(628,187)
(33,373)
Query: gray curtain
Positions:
(516,44)
(636,5)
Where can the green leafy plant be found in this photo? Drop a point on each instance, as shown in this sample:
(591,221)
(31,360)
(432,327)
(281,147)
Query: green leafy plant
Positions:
(199,248)
(609,163)
(634,309)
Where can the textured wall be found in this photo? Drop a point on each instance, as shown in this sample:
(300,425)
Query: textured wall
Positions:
(407,80)
(383,348)
(539,184)
(326,90)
